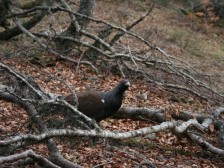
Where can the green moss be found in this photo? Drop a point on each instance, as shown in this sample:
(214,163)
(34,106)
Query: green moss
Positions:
(183,2)
(180,37)
(132,142)
(138,142)
(38,57)
(176,35)
(30,4)
(36,54)
(162,2)
(220,23)
(197,54)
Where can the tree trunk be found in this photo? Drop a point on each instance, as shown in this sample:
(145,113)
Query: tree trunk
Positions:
(85,8)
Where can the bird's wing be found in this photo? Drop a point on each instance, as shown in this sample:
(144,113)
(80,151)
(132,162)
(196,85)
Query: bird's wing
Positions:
(91,103)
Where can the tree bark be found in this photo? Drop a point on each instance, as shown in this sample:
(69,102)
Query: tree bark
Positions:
(85,8)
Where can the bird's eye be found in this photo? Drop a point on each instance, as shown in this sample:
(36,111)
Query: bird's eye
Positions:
(102,100)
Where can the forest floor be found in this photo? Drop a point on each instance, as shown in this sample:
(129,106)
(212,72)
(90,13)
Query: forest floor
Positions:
(190,38)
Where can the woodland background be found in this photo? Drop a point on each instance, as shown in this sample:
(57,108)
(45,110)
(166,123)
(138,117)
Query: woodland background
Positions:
(171,51)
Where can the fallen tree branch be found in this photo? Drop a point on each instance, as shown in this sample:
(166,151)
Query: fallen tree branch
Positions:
(205,145)
(217,111)
(172,70)
(174,125)
(138,113)
(20,77)
(32,36)
(28,154)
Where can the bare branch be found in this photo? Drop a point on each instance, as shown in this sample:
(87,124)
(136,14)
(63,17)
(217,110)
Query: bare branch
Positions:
(46,47)
(20,77)
(73,18)
(28,154)
(129,27)
(105,133)
(135,113)
(205,145)
(171,73)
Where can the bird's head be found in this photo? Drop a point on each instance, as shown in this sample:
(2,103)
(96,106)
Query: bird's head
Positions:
(122,86)
(115,96)
(125,84)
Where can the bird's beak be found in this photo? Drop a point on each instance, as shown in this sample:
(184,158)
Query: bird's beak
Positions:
(128,84)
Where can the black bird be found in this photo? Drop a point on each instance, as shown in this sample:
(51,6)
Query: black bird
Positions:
(100,105)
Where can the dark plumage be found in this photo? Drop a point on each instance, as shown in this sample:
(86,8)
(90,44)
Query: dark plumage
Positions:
(100,105)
